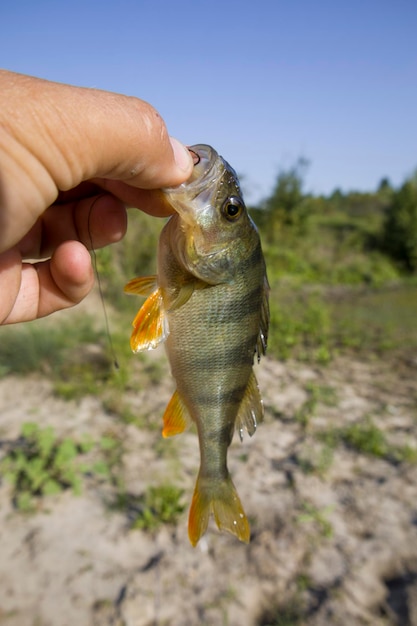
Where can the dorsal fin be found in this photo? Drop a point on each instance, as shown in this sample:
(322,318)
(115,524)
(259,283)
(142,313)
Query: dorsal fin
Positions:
(251,410)
(262,341)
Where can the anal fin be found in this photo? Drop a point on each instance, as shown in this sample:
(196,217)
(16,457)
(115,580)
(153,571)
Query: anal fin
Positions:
(176,417)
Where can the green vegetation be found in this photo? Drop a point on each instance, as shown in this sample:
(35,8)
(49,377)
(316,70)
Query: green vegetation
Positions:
(292,612)
(39,464)
(316,393)
(289,615)
(400,227)
(159,505)
(364,436)
(342,268)
(318,517)
(37,347)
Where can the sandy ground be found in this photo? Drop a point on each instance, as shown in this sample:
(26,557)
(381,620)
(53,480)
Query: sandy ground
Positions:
(334,531)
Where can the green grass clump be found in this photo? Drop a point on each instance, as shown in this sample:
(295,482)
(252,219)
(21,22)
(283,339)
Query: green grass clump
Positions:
(40,464)
(316,461)
(159,505)
(365,437)
(312,515)
(315,394)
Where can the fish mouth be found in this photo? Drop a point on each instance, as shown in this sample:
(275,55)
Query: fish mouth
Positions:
(196,194)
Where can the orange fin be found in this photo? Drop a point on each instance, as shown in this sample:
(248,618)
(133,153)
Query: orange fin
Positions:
(142,285)
(221,499)
(176,417)
(150,326)
(251,410)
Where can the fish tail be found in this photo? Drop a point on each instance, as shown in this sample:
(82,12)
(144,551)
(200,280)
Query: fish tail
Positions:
(221,499)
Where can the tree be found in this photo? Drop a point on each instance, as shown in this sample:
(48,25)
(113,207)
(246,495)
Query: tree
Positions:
(400,227)
(286,207)
(384,185)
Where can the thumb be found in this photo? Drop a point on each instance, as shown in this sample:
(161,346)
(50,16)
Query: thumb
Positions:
(57,136)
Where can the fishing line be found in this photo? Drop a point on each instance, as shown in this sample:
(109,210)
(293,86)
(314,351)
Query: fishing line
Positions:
(100,290)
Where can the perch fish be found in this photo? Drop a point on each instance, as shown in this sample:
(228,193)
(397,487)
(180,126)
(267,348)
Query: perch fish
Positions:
(209,303)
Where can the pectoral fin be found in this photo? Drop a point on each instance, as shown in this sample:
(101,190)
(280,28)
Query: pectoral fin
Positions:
(185,293)
(251,410)
(150,326)
(176,417)
(142,285)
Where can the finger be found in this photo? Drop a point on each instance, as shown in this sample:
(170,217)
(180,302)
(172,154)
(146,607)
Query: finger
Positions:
(51,285)
(151,201)
(10,279)
(65,135)
(95,222)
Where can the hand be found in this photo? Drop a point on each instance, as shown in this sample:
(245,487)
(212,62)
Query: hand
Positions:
(71,159)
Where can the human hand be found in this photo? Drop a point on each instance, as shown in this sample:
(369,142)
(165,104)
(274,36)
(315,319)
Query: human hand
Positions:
(71,159)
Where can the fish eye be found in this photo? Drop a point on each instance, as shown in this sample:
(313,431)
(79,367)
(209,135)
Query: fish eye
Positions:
(232,208)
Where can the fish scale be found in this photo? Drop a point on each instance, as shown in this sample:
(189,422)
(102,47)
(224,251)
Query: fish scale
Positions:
(209,303)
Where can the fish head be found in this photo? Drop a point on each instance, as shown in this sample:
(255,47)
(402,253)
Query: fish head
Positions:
(215,229)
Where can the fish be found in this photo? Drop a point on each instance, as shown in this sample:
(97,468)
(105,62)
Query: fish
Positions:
(209,304)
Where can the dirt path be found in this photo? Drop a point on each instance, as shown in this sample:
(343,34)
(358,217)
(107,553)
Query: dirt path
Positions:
(334,530)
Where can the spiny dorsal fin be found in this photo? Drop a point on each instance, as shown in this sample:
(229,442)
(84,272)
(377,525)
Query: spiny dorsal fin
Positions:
(176,417)
(251,410)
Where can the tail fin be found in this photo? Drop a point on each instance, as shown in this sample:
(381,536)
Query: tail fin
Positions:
(221,499)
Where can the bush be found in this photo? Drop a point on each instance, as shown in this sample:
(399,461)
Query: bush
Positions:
(400,228)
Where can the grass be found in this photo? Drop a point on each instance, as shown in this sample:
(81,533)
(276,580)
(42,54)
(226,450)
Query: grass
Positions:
(317,517)
(158,505)
(365,437)
(40,464)
(315,460)
(42,347)
(314,324)
(330,293)
(316,394)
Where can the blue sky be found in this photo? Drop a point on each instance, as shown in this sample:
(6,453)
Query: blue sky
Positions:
(264,82)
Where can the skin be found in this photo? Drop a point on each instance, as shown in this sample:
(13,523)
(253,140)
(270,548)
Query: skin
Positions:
(71,160)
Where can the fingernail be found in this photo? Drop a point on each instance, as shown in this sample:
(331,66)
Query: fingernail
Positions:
(182,156)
